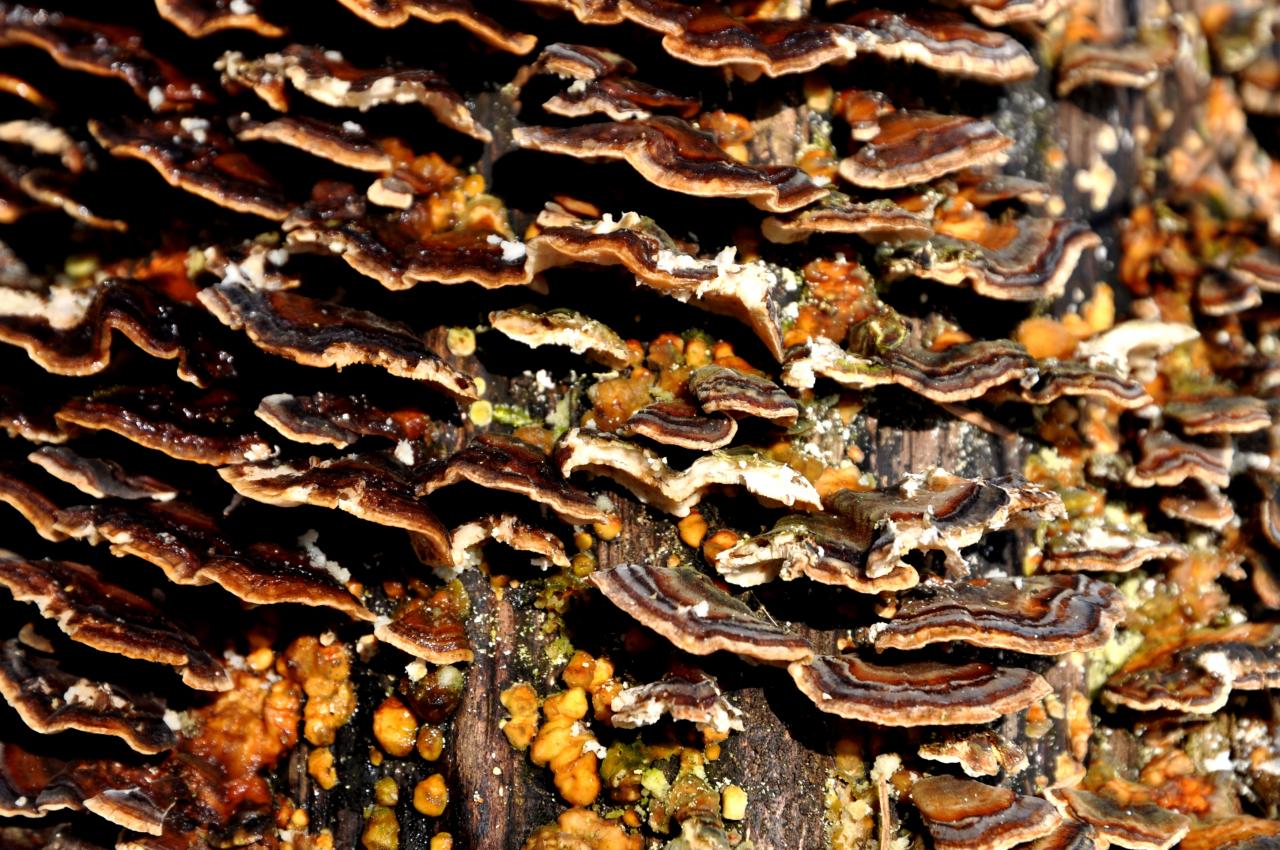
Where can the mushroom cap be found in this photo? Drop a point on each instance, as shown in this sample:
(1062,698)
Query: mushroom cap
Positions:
(917,693)
(678,423)
(720,389)
(687,609)
(568,328)
(673,154)
(962,814)
(396,13)
(697,700)
(345,144)
(325,335)
(916,147)
(98,477)
(1137,826)
(981,753)
(1037,615)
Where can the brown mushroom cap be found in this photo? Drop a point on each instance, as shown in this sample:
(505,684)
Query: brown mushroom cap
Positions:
(1033,261)
(1055,379)
(199,18)
(339,420)
(1069,835)
(504,528)
(19,491)
(654,482)
(710,36)
(744,291)
(396,13)
(569,328)
(187,545)
(346,144)
(917,693)
(322,334)
(193,156)
(580,62)
(1099,548)
(945,42)
(50,700)
(999,13)
(99,478)
(940,511)
(46,187)
(390,249)
(69,331)
(1219,415)
(370,486)
(697,700)
(324,76)
(1239,832)
(432,628)
(981,753)
(1260,268)
(962,814)
(678,423)
(108,618)
(24,416)
(1197,673)
(1167,461)
(674,155)
(505,463)
(875,221)
(204,429)
(1226,295)
(687,609)
(960,373)
(1198,504)
(102,50)
(1137,826)
(1039,615)
(915,147)
(822,548)
(720,389)
(619,99)
(1135,66)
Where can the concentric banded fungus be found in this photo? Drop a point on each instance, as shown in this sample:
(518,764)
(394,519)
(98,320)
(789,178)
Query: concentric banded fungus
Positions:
(962,814)
(687,609)
(102,50)
(202,429)
(324,76)
(1226,295)
(19,492)
(698,701)
(189,548)
(917,693)
(999,13)
(1048,615)
(1167,461)
(346,144)
(1135,66)
(676,423)
(322,334)
(720,389)
(508,529)
(1199,505)
(193,156)
(568,328)
(513,466)
(92,612)
(1198,673)
(652,481)
(1069,835)
(824,549)
(960,373)
(99,478)
(50,700)
(69,331)
(619,99)
(1260,268)
(915,147)
(945,43)
(46,187)
(673,154)
(392,250)
(982,753)
(942,512)
(199,18)
(744,291)
(396,13)
(340,420)
(875,221)
(431,628)
(1030,259)
(1098,548)
(370,486)
(1221,415)
(1137,826)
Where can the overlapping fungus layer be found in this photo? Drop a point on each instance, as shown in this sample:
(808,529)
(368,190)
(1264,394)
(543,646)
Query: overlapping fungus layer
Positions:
(812,424)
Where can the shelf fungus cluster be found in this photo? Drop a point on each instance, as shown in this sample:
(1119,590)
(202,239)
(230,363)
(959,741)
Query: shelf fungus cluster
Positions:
(636,424)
